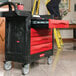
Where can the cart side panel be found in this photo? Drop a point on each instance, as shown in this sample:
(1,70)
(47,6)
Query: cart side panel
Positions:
(15,41)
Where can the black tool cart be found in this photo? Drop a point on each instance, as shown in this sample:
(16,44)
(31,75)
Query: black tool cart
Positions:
(27,39)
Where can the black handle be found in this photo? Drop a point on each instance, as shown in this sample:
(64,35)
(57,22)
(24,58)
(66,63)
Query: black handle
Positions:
(10,4)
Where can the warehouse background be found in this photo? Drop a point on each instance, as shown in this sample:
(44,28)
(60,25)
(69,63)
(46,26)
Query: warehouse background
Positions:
(66,33)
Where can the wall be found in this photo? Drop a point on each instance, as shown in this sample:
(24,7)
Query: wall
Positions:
(70,16)
(66,33)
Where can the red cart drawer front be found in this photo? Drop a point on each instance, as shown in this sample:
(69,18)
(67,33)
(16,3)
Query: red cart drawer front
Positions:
(58,23)
(40,32)
(41,40)
(41,48)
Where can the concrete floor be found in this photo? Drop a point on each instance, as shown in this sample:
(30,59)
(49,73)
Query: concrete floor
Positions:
(65,65)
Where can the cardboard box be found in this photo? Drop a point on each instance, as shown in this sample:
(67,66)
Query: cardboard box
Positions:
(2,35)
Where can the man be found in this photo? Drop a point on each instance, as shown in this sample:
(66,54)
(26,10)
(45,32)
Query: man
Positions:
(53,8)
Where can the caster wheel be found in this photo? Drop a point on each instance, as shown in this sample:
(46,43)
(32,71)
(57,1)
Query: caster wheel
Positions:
(49,60)
(7,65)
(25,69)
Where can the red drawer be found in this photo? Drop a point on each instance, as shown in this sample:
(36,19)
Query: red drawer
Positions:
(41,48)
(41,32)
(40,40)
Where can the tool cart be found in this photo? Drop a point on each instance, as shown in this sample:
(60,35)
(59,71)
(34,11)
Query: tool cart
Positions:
(27,38)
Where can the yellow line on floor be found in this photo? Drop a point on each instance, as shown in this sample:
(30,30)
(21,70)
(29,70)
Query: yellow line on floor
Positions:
(56,60)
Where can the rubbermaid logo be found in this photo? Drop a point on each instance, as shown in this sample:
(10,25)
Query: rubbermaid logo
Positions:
(42,55)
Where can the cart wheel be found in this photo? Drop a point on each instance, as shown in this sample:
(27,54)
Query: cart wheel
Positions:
(7,65)
(25,69)
(49,60)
